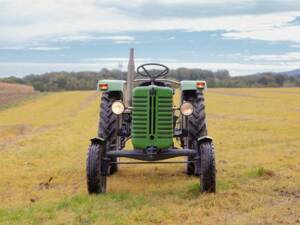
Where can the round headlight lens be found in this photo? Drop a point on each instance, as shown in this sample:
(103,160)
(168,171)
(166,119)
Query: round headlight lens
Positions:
(186,109)
(118,107)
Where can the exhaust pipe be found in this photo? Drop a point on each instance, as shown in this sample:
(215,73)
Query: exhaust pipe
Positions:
(130,77)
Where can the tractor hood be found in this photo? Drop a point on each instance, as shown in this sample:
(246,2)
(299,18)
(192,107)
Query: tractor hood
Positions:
(152,117)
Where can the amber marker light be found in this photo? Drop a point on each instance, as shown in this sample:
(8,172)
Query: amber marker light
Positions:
(103,87)
(200,84)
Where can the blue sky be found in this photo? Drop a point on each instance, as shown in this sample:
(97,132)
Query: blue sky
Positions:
(74,35)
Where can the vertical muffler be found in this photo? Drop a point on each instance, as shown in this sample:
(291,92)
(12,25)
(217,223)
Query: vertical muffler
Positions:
(130,77)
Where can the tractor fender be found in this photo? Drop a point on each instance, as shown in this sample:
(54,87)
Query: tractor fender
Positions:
(191,85)
(204,139)
(112,85)
(98,140)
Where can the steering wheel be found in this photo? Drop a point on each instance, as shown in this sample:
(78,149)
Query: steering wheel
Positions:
(144,72)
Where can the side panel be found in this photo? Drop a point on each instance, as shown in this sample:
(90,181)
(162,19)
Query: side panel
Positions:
(187,85)
(152,117)
(113,85)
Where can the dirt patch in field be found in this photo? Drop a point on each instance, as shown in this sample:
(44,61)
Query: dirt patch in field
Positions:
(289,193)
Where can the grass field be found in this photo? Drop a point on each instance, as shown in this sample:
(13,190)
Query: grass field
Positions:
(43,146)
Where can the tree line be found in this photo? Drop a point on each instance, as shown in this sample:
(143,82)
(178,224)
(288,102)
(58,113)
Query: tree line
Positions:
(61,81)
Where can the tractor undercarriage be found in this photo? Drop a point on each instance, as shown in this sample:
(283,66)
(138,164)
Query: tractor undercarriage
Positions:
(151,154)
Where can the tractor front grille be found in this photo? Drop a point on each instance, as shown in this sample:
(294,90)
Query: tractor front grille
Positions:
(152,117)
(140,116)
(164,122)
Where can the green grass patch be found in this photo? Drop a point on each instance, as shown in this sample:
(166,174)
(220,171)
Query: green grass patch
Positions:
(223,185)
(260,171)
(83,209)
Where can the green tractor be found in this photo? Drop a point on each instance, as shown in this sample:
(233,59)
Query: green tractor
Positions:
(142,110)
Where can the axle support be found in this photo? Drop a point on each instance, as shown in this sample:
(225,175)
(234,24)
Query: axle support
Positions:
(161,155)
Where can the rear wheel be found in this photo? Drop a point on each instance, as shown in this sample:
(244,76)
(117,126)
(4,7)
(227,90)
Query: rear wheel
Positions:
(196,126)
(208,167)
(109,124)
(96,181)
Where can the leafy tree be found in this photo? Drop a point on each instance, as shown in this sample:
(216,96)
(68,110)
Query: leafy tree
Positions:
(87,80)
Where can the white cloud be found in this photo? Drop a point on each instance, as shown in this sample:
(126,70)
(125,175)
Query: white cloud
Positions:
(16,47)
(125,60)
(35,48)
(181,2)
(116,59)
(25,23)
(239,68)
(115,39)
(45,48)
(119,39)
(28,20)
(281,33)
(295,46)
(290,57)
(23,68)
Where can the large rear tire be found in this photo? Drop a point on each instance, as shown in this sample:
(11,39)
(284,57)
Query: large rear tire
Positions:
(208,167)
(109,125)
(196,126)
(96,182)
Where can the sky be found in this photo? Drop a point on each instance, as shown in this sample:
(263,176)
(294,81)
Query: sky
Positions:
(242,36)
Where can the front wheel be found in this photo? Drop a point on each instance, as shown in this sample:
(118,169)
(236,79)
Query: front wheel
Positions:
(207,168)
(96,181)
(196,126)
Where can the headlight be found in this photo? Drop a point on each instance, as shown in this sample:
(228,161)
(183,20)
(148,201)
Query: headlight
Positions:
(118,107)
(186,109)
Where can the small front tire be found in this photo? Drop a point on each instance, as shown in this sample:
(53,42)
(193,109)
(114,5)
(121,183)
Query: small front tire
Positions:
(207,168)
(96,182)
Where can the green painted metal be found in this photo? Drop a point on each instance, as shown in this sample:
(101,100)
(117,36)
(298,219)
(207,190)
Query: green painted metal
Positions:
(186,85)
(113,85)
(152,117)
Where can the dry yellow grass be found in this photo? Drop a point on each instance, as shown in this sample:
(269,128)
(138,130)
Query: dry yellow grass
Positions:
(257,138)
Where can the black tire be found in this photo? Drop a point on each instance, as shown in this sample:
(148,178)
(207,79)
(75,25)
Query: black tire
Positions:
(108,125)
(208,168)
(96,182)
(196,126)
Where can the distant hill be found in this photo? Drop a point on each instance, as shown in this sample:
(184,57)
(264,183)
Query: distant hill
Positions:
(292,73)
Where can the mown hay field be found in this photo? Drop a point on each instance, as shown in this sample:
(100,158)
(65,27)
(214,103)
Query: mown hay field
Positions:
(43,146)
(11,94)
(8,87)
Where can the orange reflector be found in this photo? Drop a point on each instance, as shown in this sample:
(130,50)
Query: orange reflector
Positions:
(103,87)
(200,84)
